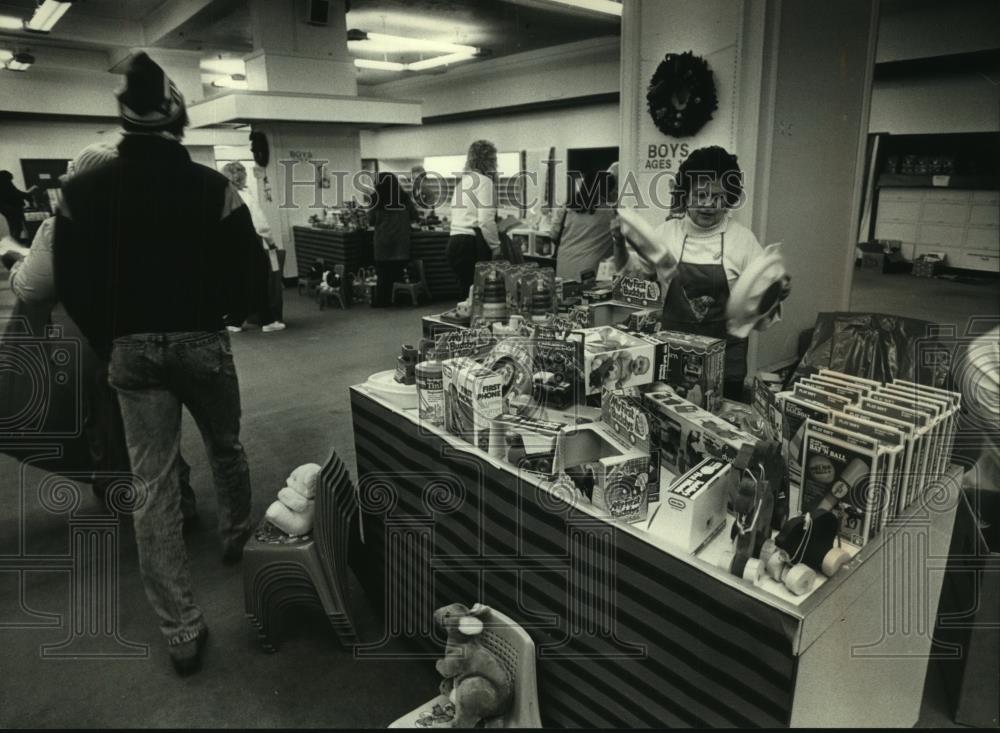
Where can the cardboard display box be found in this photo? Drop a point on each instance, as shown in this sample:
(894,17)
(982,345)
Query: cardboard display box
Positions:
(525,443)
(692,365)
(629,417)
(473,396)
(688,434)
(614,359)
(611,474)
(693,509)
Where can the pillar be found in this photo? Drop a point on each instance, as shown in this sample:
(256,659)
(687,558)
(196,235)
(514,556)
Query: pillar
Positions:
(793,82)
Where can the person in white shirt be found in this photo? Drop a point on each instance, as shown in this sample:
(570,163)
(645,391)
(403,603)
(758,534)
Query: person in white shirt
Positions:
(699,256)
(271,300)
(474,235)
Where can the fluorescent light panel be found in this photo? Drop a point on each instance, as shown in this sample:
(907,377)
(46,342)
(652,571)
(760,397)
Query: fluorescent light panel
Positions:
(5,55)
(383,43)
(47,15)
(597,6)
(380,65)
(11,23)
(227,83)
(452,58)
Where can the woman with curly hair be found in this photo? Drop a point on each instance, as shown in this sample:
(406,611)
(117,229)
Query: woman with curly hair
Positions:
(700,254)
(474,236)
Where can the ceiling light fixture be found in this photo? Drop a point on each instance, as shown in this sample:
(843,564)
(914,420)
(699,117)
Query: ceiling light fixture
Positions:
(11,23)
(46,15)
(382,43)
(20,62)
(379,65)
(610,7)
(5,55)
(433,63)
(233,81)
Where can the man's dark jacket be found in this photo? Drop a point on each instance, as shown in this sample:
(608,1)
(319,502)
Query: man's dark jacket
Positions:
(152,243)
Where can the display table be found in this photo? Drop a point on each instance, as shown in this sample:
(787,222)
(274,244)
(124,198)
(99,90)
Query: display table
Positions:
(353,250)
(628,633)
(431,247)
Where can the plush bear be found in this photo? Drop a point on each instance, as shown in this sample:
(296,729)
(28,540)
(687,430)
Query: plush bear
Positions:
(474,679)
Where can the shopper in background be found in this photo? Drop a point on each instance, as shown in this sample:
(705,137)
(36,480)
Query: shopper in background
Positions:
(390,212)
(582,228)
(12,201)
(148,266)
(474,235)
(699,256)
(270,299)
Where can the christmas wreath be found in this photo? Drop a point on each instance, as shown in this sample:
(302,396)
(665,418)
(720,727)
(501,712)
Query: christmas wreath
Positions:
(681,94)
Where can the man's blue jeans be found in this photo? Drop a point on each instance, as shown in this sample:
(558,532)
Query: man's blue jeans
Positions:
(154,374)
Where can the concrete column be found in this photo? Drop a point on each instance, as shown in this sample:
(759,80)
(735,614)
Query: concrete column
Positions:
(793,81)
(290,55)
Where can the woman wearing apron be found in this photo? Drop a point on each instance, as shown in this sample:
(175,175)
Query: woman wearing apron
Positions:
(700,255)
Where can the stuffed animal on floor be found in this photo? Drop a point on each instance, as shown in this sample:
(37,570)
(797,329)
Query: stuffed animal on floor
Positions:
(474,679)
(295,508)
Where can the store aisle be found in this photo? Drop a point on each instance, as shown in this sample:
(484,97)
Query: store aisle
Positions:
(295,402)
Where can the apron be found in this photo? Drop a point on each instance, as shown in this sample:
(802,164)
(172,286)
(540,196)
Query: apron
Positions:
(696,303)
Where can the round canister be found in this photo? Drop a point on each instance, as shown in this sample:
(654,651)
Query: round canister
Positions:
(430,392)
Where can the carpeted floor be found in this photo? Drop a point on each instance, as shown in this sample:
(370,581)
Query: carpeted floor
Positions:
(296,408)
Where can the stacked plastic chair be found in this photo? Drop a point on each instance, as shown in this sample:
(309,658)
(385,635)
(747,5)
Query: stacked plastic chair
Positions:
(413,289)
(280,570)
(516,651)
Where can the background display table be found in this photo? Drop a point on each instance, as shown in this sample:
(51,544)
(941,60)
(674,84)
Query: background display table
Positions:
(354,250)
(627,632)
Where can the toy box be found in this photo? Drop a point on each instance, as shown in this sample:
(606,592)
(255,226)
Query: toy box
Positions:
(596,294)
(473,396)
(625,413)
(688,434)
(637,291)
(765,404)
(794,413)
(606,470)
(614,359)
(692,365)
(841,472)
(606,313)
(693,509)
(489,295)
(536,292)
(525,443)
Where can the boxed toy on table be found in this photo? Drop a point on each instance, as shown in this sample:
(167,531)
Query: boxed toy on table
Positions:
(609,472)
(693,509)
(841,473)
(820,396)
(558,370)
(688,434)
(525,443)
(693,365)
(795,411)
(886,412)
(766,405)
(614,359)
(473,396)
(489,293)
(625,412)
(891,443)
(907,462)
(537,295)
(637,291)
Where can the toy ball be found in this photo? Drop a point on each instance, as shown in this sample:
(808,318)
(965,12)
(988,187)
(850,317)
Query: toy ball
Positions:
(821,469)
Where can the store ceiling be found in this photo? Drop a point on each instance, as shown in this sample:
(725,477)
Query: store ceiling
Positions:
(222,27)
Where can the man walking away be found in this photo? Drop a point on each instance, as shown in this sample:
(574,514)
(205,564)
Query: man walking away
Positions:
(151,252)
